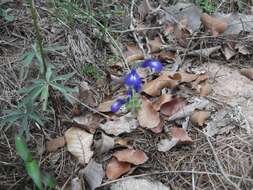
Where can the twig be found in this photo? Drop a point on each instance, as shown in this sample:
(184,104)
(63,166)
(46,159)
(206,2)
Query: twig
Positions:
(88,107)
(173,171)
(133,28)
(225,175)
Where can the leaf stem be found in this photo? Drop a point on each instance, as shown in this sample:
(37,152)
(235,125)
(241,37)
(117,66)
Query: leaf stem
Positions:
(38,35)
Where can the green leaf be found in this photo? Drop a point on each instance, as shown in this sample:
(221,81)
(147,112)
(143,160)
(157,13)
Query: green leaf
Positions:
(63,77)
(36,118)
(33,171)
(5,15)
(22,149)
(63,89)
(48,180)
(49,72)
(44,97)
(54,48)
(27,58)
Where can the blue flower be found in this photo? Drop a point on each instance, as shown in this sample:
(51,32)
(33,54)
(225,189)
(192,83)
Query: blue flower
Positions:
(133,80)
(153,64)
(117,105)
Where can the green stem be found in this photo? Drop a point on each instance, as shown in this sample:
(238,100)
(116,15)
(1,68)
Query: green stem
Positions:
(38,35)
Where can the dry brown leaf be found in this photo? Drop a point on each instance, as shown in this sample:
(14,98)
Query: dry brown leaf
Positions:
(132,156)
(123,124)
(187,77)
(105,106)
(181,135)
(103,143)
(228,52)
(54,144)
(199,117)
(115,168)
(89,121)
(156,44)
(201,78)
(94,174)
(205,89)
(159,128)
(173,106)
(161,100)
(121,141)
(165,55)
(154,87)
(79,144)
(247,73)
(214,25)
(138,184)
(148,117)
(206,52)
(133,53)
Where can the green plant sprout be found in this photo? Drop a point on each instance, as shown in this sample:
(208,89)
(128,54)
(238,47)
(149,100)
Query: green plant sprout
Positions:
(41,179)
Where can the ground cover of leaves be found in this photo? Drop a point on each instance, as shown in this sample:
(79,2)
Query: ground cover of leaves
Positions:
(193,128)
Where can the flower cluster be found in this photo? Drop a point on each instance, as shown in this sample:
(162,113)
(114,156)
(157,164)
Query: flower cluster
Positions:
(134,83)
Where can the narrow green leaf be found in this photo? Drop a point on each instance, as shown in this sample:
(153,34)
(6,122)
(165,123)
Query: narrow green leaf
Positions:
(22,149)
(48,180)
(54,48)
(33,171)
(27,58)
(49,72)
(36,118)
(63,77)
(44,97)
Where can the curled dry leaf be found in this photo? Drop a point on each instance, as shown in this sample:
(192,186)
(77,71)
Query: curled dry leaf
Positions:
(133,53)
(173,106)
(214,25)
(247,73)
(79,144)
(105,106)
(115,168)
(199,117)
(104,144)
(161,100)
(228,52)
(148,117)
(181,135)
(154,87)
(123,124)
(159,128)
(132,156)
(54,144)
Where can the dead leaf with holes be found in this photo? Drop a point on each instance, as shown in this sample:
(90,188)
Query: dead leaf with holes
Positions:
(215,25)
(173,106)
(123,124)
(199,117)
(164,98)
(154,87)
(55,143)
(79,144)
(247,73)
(132,156)
(115,168)
(147,116)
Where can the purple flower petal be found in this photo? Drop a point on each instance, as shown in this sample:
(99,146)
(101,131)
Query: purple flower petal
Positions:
(133,80)
(153,64)
(117,105)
